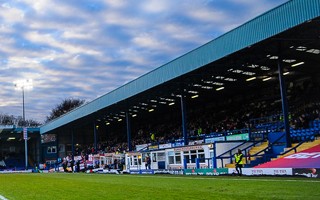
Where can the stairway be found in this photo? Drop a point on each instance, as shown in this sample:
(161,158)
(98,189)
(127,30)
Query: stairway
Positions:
(256,159)
(256,149)
(230,165)
(302,147)
(252,151)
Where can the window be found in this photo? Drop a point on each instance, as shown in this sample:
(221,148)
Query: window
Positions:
(201,155)
(52,149)
(144,155)
(154,157)
(136,160)
(171,157)
(174,157)
(161,156)
(193,154)
(178,158)
(193,158)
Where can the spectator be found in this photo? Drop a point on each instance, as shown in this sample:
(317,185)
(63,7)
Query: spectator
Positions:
(239,163)
(148,162)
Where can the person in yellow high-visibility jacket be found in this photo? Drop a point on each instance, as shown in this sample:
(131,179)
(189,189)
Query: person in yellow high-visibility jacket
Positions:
(239,163)
(152,137)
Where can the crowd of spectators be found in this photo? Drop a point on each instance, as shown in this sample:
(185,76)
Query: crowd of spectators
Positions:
(216,117)
(304,107)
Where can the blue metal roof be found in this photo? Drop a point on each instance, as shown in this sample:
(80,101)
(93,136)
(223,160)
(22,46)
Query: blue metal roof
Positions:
(14,129)
(273,22)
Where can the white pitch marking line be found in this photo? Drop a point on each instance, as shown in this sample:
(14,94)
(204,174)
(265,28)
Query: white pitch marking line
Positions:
(3,198)
(224,179)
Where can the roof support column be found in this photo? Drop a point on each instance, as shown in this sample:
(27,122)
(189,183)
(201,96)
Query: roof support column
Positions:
(284,100)
(106,131)
(184,120)
(95,136)
(57,142)
(128,131)
(72,144)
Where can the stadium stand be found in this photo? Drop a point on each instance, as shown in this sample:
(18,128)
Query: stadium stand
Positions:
(14,163)
(306,156)
(298,147)
(250,113)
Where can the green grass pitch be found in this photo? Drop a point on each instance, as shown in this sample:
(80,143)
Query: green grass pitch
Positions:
(106,186)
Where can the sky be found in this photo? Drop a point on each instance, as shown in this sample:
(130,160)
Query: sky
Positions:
(84,49)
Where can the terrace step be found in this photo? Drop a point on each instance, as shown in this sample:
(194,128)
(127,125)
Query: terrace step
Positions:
(252,151)
(302,147)
(257,149)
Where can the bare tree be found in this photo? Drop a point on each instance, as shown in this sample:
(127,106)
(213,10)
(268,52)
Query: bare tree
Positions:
(65,106)
(6,119)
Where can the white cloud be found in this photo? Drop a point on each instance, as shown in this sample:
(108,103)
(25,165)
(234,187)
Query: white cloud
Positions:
(75,35)
(39,5)
(117,3)
(147,40)
(11,15)
(73,48)
(122,19)
(155,6)
(49,39)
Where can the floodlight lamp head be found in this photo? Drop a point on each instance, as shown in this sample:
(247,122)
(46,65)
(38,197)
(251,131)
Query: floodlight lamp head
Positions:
(23,84)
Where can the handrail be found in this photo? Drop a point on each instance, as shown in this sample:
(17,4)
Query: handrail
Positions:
(253,144)
(268,147)
(254,155)
(144,148)
(246,149)
(203,136)
(230,150)
(293,148)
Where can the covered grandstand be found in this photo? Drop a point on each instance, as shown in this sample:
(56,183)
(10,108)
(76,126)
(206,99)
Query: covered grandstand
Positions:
(263,70)
(12,147)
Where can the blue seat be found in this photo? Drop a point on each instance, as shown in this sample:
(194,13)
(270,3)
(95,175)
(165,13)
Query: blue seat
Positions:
(299,136)
(312,138)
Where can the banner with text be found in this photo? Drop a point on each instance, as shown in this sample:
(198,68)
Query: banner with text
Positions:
(311,172)
(263,171)
(309,158)
(206,172)
(243,136)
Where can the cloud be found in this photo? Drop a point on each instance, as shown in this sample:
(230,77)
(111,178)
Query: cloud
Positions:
(155,6)
(84,49)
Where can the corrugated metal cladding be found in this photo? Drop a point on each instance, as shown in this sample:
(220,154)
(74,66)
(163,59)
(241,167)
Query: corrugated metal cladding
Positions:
(277,20)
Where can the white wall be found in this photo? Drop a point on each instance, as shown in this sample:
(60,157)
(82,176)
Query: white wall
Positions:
(222,147)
